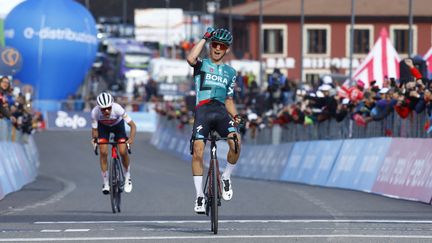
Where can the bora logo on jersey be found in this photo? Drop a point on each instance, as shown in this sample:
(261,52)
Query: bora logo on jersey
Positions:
(217,78)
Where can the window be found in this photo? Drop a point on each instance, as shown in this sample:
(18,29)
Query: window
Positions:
(363,39)
(317,40)
(401,40)
(312,79)
(399,35)
(240,42)
(275,40)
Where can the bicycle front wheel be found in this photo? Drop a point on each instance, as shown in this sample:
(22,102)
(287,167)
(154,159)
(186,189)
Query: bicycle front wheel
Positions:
(113,183)
(214,200)
(120,182)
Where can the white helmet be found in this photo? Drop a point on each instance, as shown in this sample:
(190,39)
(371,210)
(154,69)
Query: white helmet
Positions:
(104,100)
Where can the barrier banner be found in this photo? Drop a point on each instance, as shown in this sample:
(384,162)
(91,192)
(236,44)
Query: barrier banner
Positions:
(71,120)
(154,140)
(144,121)
(16,169)
(68,120)
(358,163)
(396,167)
(294,161)
(318,161)
(249,162)
(406,171)
(275,160)
(6,184)
(346,167)
(370,163)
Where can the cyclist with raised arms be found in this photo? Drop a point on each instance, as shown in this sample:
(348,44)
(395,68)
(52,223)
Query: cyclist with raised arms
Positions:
(215,108)
(110,117)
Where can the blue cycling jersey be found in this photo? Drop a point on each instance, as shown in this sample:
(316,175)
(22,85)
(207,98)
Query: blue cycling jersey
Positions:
(212,81)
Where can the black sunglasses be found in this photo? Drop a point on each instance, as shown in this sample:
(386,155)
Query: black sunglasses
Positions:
(106,109)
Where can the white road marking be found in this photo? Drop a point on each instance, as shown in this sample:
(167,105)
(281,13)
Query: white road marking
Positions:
(76,230)
(357,236)
(50,231)
(373,221)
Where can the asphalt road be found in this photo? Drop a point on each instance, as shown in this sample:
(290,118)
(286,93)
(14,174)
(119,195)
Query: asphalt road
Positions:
(65,203)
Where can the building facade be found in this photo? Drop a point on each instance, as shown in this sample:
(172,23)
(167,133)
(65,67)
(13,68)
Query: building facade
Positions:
(326,32)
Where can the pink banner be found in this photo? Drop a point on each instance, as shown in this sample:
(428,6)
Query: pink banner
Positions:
(407,170)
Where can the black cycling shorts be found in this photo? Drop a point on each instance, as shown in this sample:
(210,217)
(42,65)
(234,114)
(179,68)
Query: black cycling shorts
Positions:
(212,116)
(118,130)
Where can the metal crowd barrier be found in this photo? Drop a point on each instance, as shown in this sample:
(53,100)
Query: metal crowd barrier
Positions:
(5,130)
(9,133)
(392,126)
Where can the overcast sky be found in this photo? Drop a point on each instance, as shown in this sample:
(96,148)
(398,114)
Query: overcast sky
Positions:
(6,6)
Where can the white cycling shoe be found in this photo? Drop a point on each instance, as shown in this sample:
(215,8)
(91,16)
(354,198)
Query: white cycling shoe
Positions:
(105,188)
(200,205)
(227,191)
(128,184)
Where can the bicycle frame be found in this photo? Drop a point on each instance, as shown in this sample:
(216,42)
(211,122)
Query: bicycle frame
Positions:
(116,181)
(116,174)
(212,186)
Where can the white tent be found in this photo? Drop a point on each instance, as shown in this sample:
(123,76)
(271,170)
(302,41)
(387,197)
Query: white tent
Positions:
(382,60)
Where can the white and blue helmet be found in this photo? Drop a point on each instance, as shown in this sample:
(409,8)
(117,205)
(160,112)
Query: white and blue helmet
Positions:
(104,100)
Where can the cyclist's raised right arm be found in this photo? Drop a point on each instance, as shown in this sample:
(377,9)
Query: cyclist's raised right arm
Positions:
(192,58)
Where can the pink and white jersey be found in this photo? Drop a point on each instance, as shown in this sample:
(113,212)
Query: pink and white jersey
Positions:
(117,115)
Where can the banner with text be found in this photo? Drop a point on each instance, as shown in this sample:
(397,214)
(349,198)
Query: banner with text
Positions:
(406,170)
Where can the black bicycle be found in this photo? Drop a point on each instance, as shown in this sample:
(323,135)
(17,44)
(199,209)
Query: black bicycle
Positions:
(212,187)
(116,175)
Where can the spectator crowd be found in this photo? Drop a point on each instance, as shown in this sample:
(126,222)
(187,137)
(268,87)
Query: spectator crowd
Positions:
(16,106)
(285,102)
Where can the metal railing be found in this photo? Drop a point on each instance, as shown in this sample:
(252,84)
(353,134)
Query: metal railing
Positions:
(392,126)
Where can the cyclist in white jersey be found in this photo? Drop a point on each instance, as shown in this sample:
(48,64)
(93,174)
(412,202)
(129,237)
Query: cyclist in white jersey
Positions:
(110,117)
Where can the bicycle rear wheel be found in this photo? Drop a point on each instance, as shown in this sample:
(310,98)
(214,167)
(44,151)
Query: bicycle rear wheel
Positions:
(214,198)
(113,183)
